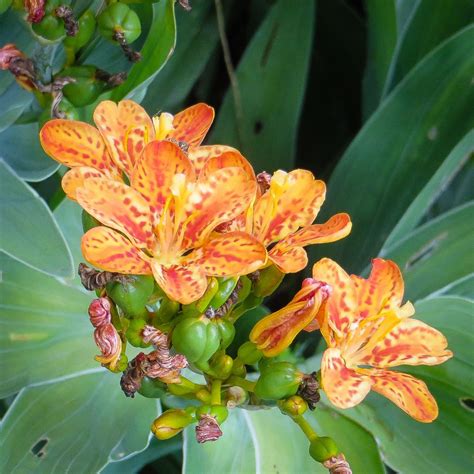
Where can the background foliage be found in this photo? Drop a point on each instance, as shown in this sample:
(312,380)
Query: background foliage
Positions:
(375,97)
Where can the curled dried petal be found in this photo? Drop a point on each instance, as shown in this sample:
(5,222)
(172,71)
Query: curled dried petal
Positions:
(99,312)
(207,429)
(108,341)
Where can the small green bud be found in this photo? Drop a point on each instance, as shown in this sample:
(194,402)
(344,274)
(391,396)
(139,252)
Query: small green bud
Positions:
(235,396)
(226,287)
(170,423)
(221,366)
(322,449)
(268,281)
(226,331)
(134,333)
(278,380)
(249,354)
(293,406)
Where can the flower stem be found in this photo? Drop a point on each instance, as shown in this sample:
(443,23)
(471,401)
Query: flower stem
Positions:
(240,382)
(216,392)
(305,427)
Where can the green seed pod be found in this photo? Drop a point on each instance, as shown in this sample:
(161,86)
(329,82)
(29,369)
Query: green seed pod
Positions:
(88,221)
(322,449)
(226,331)
(85,32)
(50,28)
(226,287)
(219,412)
(278,380)
(196,338)
(249,354)
(132,295)
(134,333)
(119,18)
(222,365)
(163,310)
(152,388)
(199,307)
(87,87)
(170,423)
(268,281)
(293,406)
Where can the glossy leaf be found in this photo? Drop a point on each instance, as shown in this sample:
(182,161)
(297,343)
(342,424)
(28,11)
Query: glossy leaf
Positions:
(272,79)
(430,23)
(21,149)
(381,42)
(435,186)
(271,442)
(13,102)
(437,253)
(30,233)
(400,148)
(444,445)
(463,287)
(196,40)
(45,331)
(157,49)
(85,422)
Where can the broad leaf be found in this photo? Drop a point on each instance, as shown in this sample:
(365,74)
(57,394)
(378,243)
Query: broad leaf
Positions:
(85,422)
(430,23)
(435,186)
(437,253)
(445,445)
(21,149)
(271,79)
(462,287)
(196,40)
(382,39)
(29,231)
(400,148)
(271,442)
(12,103)
(158,47)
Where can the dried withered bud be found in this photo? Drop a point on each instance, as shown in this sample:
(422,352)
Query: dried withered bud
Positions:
(207,429)
(112,80)
(109,343)
(132,377)
(23,68)
(185,4)
(183,145)
(132,55)
(93,279)
(35,9)
(99,312)
(338,465)
(309,390)
(263,181)
(70,23)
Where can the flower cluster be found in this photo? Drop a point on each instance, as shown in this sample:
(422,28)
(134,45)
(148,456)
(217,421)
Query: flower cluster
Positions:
(187,238)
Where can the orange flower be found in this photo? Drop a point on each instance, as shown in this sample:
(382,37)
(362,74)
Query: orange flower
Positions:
(123,130)
(274,333)
(368,331)
(163,222)
(283,215)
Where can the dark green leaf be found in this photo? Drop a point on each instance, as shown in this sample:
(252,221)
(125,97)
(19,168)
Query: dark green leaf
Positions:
(400,148)
(29,231)
(75,425)
(271,79)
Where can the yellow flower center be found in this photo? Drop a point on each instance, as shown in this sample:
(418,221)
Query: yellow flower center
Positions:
(163,125)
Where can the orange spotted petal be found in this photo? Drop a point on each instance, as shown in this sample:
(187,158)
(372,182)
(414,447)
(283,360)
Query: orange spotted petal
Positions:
(184,284)
(293,201)
(230,254)
(342,305)
(192,124)
(289,261)
(382,291)
(118,206)
(411,342)
(226,194)
(231,158)
(275,332)
(408,393)
(75,177)
(126,128)
(74,143)
(111,251)
(154,172)
(199,155)
(344,387)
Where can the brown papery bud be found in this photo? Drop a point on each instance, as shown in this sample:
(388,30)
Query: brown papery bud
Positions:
(207,429)
(99,312)
(35,9)
(109,343)
(337,465)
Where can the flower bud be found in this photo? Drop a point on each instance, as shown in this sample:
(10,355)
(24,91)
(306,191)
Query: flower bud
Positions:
(108,341)
(249,354)
(322,449)
(170,423)
(278,380)
(221,366)
(226,287)
(99,312)
(293,406)
(236,396)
